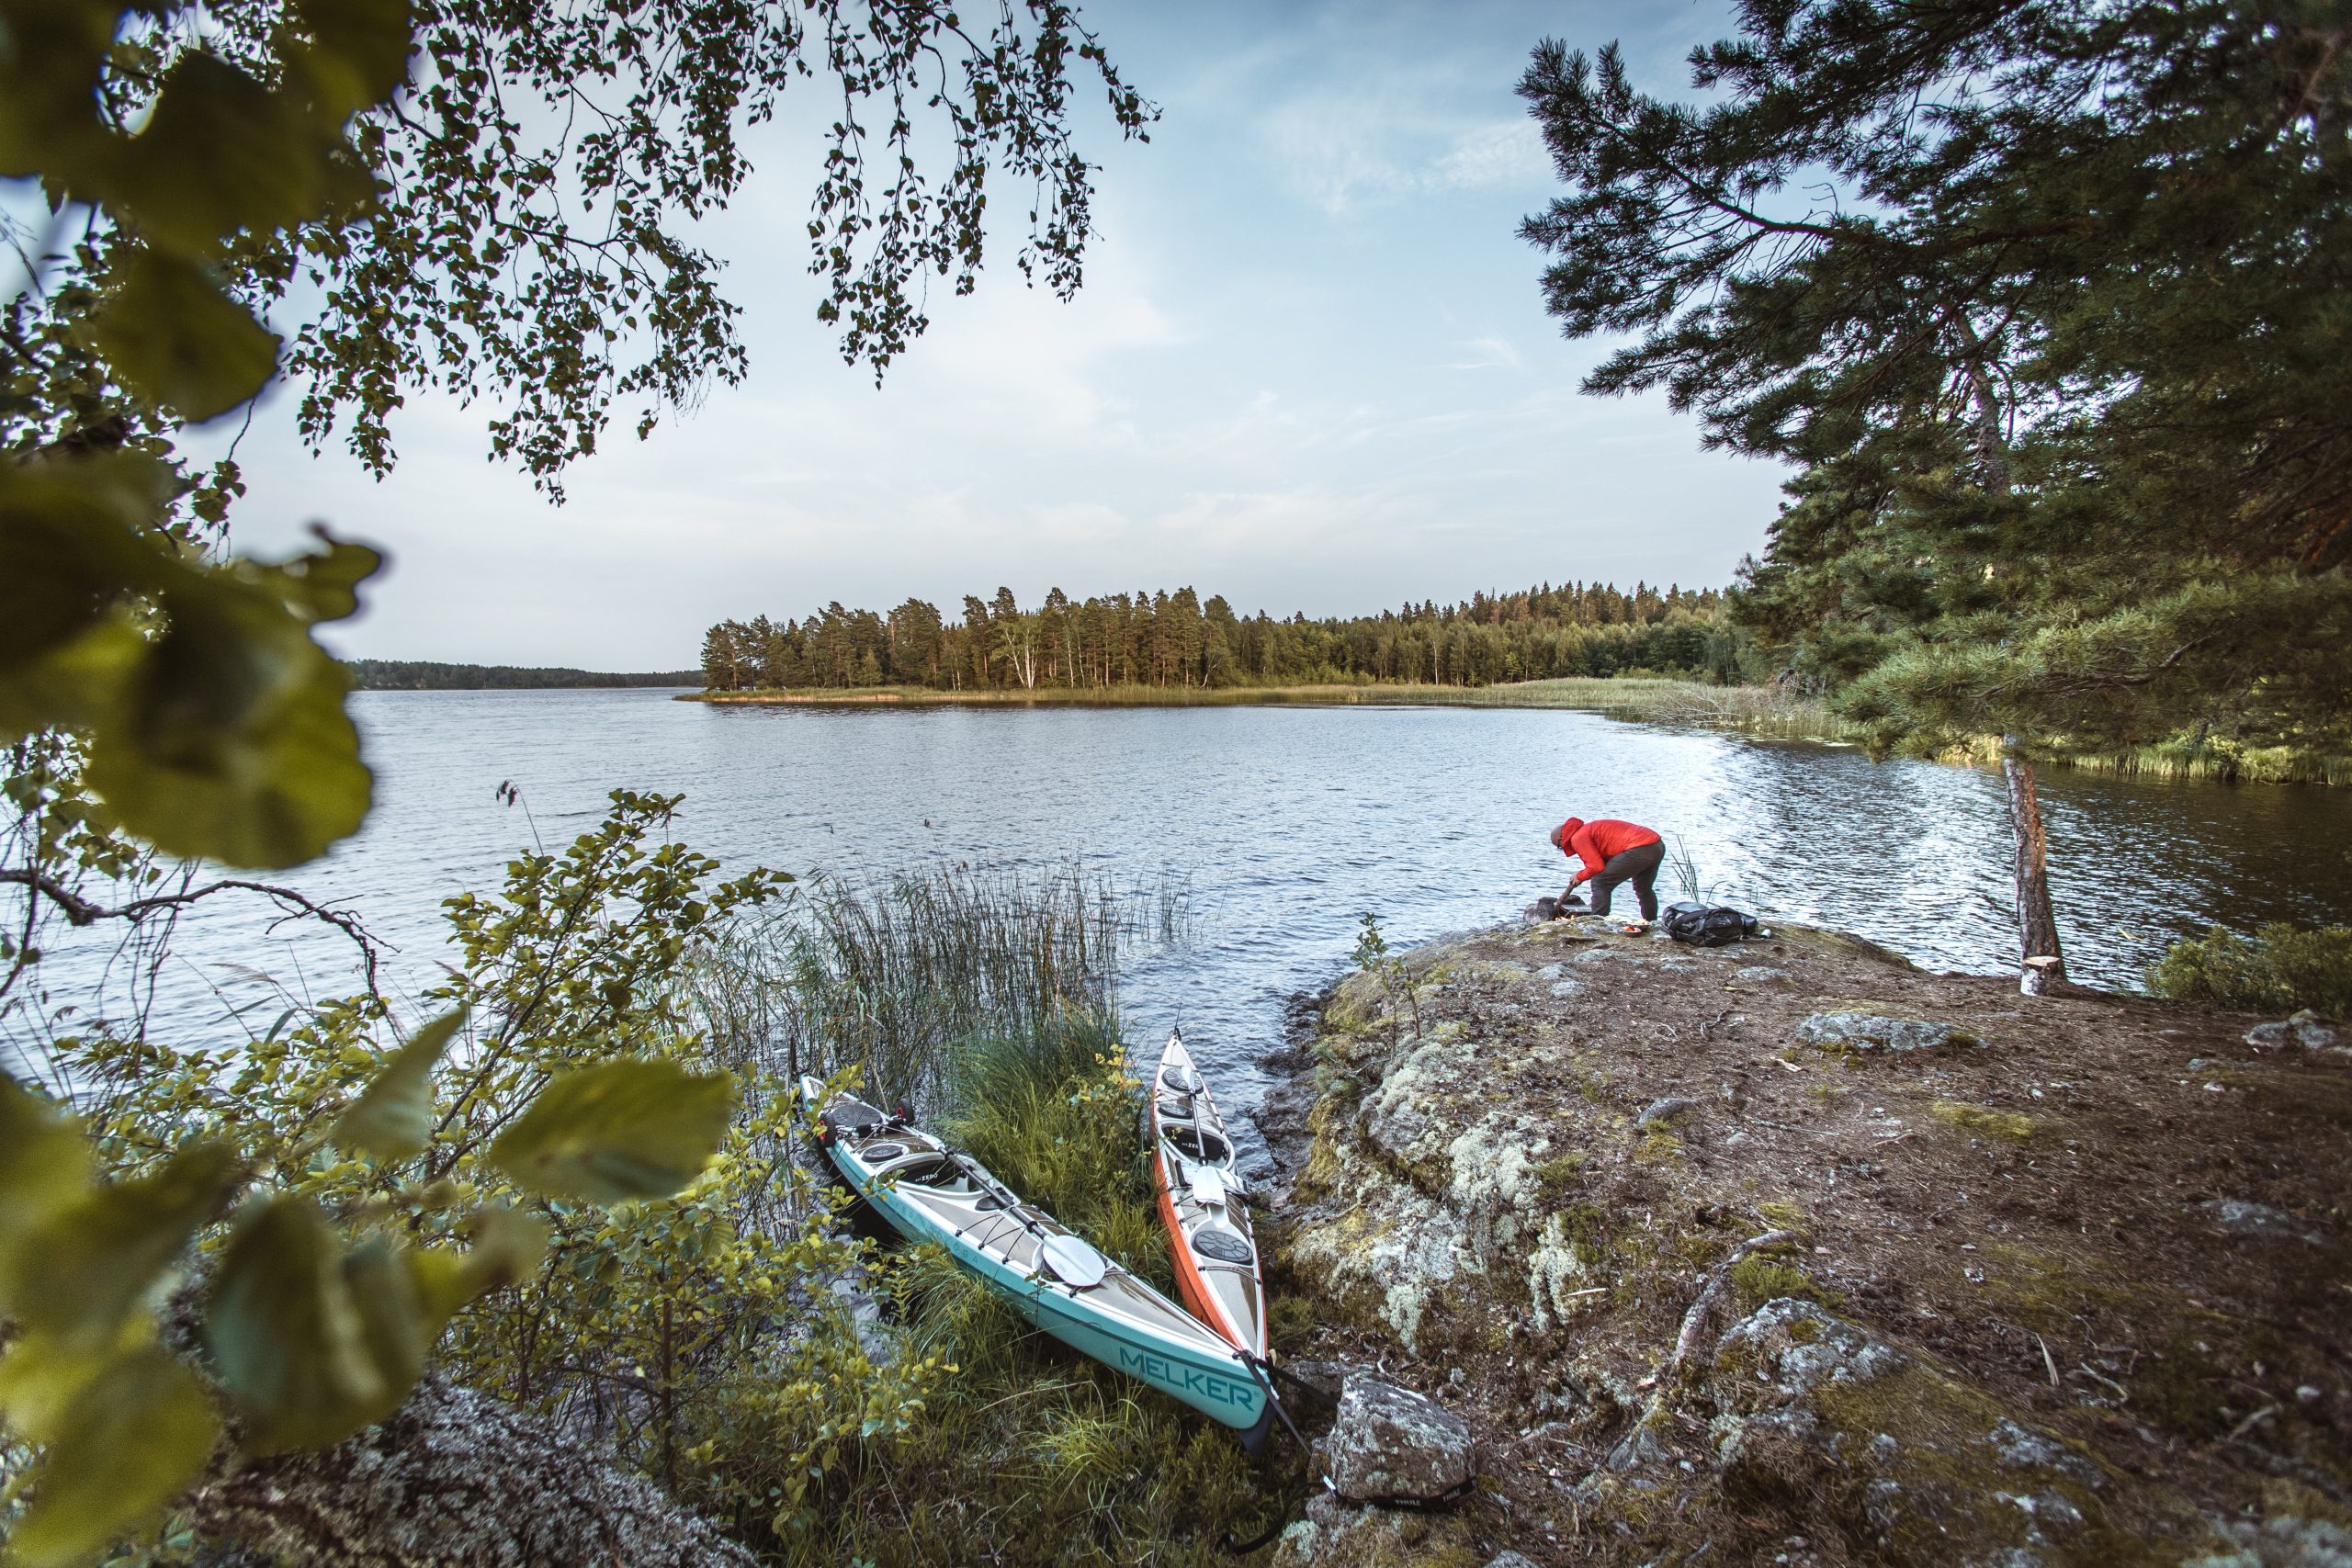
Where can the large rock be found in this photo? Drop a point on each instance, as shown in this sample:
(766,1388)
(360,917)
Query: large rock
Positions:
(1336,1534)
(2305,1029)
(2259,1222)
(1856,1031)
(1390,1444)
(1796,1346)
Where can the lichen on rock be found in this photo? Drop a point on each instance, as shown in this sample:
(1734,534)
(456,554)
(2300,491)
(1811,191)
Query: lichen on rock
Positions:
(1851,1030)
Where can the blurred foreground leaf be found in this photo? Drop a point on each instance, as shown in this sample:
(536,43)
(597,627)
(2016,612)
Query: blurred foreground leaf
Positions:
(178,342)
(307,1365)
(617,1130)
(127,1444)
(221,152)
(230,742)
(393,1118)
(77,1273)
(44,1164)
(360,50)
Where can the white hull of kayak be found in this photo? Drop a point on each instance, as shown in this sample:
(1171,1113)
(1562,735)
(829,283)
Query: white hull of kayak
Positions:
(1201,1205)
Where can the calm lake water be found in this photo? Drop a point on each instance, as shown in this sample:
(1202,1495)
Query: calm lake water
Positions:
(1289,822)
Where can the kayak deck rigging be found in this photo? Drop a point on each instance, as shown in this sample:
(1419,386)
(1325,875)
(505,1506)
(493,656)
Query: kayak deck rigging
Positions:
(928,1191)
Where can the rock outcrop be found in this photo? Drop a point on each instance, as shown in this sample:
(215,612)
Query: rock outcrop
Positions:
(1852,1031)
(1764,1254)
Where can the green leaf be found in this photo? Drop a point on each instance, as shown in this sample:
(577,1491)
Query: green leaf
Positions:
(361,51)
(49,89)
(75,535)
(507,1245)
(617,1130)
(306,1362)
(172,337)
(44,1162)
(81,1270)
(221,154)
(394,1326)
(323,586)
(393,1118)
(133,1440)
(231,743)
(75,686)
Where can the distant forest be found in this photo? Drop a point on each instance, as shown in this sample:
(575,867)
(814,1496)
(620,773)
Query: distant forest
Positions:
(1175,640)
(413,675)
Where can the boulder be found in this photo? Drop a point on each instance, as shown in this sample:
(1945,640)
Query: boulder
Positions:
(2305,1029)
(1390,1444)
(1796,1346)
(1848,1031)
(1659,1111)
(2259,1222)
(1336,1534)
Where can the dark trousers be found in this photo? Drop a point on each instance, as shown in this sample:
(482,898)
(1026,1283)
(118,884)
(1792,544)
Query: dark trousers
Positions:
(1638,865)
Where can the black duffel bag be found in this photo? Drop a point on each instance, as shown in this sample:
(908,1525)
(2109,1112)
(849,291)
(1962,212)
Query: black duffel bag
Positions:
(1706,925)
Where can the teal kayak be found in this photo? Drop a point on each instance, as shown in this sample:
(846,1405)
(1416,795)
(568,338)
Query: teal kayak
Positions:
(928,1191)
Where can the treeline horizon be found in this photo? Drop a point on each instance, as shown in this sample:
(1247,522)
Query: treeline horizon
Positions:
(434,675)
(1176,639)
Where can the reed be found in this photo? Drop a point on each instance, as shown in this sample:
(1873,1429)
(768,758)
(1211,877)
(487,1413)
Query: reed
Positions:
(893,975)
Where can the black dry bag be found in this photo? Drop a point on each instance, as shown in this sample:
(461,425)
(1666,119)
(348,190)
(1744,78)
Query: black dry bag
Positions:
(1706,925)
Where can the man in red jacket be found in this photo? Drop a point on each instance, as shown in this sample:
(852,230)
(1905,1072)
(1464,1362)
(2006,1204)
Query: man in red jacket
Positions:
(1612,851)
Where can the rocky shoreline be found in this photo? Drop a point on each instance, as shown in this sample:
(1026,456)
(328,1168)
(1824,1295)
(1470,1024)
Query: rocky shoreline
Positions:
(1789,1252)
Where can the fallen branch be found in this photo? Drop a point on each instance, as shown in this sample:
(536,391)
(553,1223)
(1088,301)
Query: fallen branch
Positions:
(80,912)
(1710,1296)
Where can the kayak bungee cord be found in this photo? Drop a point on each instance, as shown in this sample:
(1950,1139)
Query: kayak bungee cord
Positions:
(1259,1368)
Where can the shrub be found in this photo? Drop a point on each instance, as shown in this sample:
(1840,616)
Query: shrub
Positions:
(2278,970)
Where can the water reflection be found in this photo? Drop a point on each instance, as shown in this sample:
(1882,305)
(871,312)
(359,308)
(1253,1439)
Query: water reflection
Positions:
(1290,822)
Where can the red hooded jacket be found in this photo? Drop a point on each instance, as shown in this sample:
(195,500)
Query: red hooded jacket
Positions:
(1595,842)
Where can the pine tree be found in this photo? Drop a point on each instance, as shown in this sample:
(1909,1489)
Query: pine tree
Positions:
(2046,299)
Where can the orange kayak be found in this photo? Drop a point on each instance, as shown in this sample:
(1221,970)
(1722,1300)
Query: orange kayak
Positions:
(1200,1202)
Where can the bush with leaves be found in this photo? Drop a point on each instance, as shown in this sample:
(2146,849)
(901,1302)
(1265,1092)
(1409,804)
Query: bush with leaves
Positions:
(375,159)
(561,1080)
(2281,968)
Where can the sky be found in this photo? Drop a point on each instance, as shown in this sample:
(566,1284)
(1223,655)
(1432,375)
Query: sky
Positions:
(1310,370)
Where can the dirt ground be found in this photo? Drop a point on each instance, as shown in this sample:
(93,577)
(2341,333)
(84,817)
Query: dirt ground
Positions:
(2108,1217)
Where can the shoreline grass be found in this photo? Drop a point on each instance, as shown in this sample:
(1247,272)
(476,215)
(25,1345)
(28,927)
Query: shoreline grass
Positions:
(1657,699)
(1757,712)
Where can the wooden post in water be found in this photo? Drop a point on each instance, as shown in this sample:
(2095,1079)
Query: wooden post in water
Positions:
(2044,967)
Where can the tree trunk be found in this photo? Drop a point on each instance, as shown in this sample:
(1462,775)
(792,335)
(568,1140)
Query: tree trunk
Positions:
(2044,966)
(454,1479)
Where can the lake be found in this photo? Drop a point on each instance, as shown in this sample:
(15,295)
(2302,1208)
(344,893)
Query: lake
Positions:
(1289,823)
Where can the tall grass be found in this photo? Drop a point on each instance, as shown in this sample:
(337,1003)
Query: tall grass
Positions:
(892,975)
(1054,1114)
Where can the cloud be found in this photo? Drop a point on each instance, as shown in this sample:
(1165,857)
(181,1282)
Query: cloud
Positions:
(1488,353)
(1506,152)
